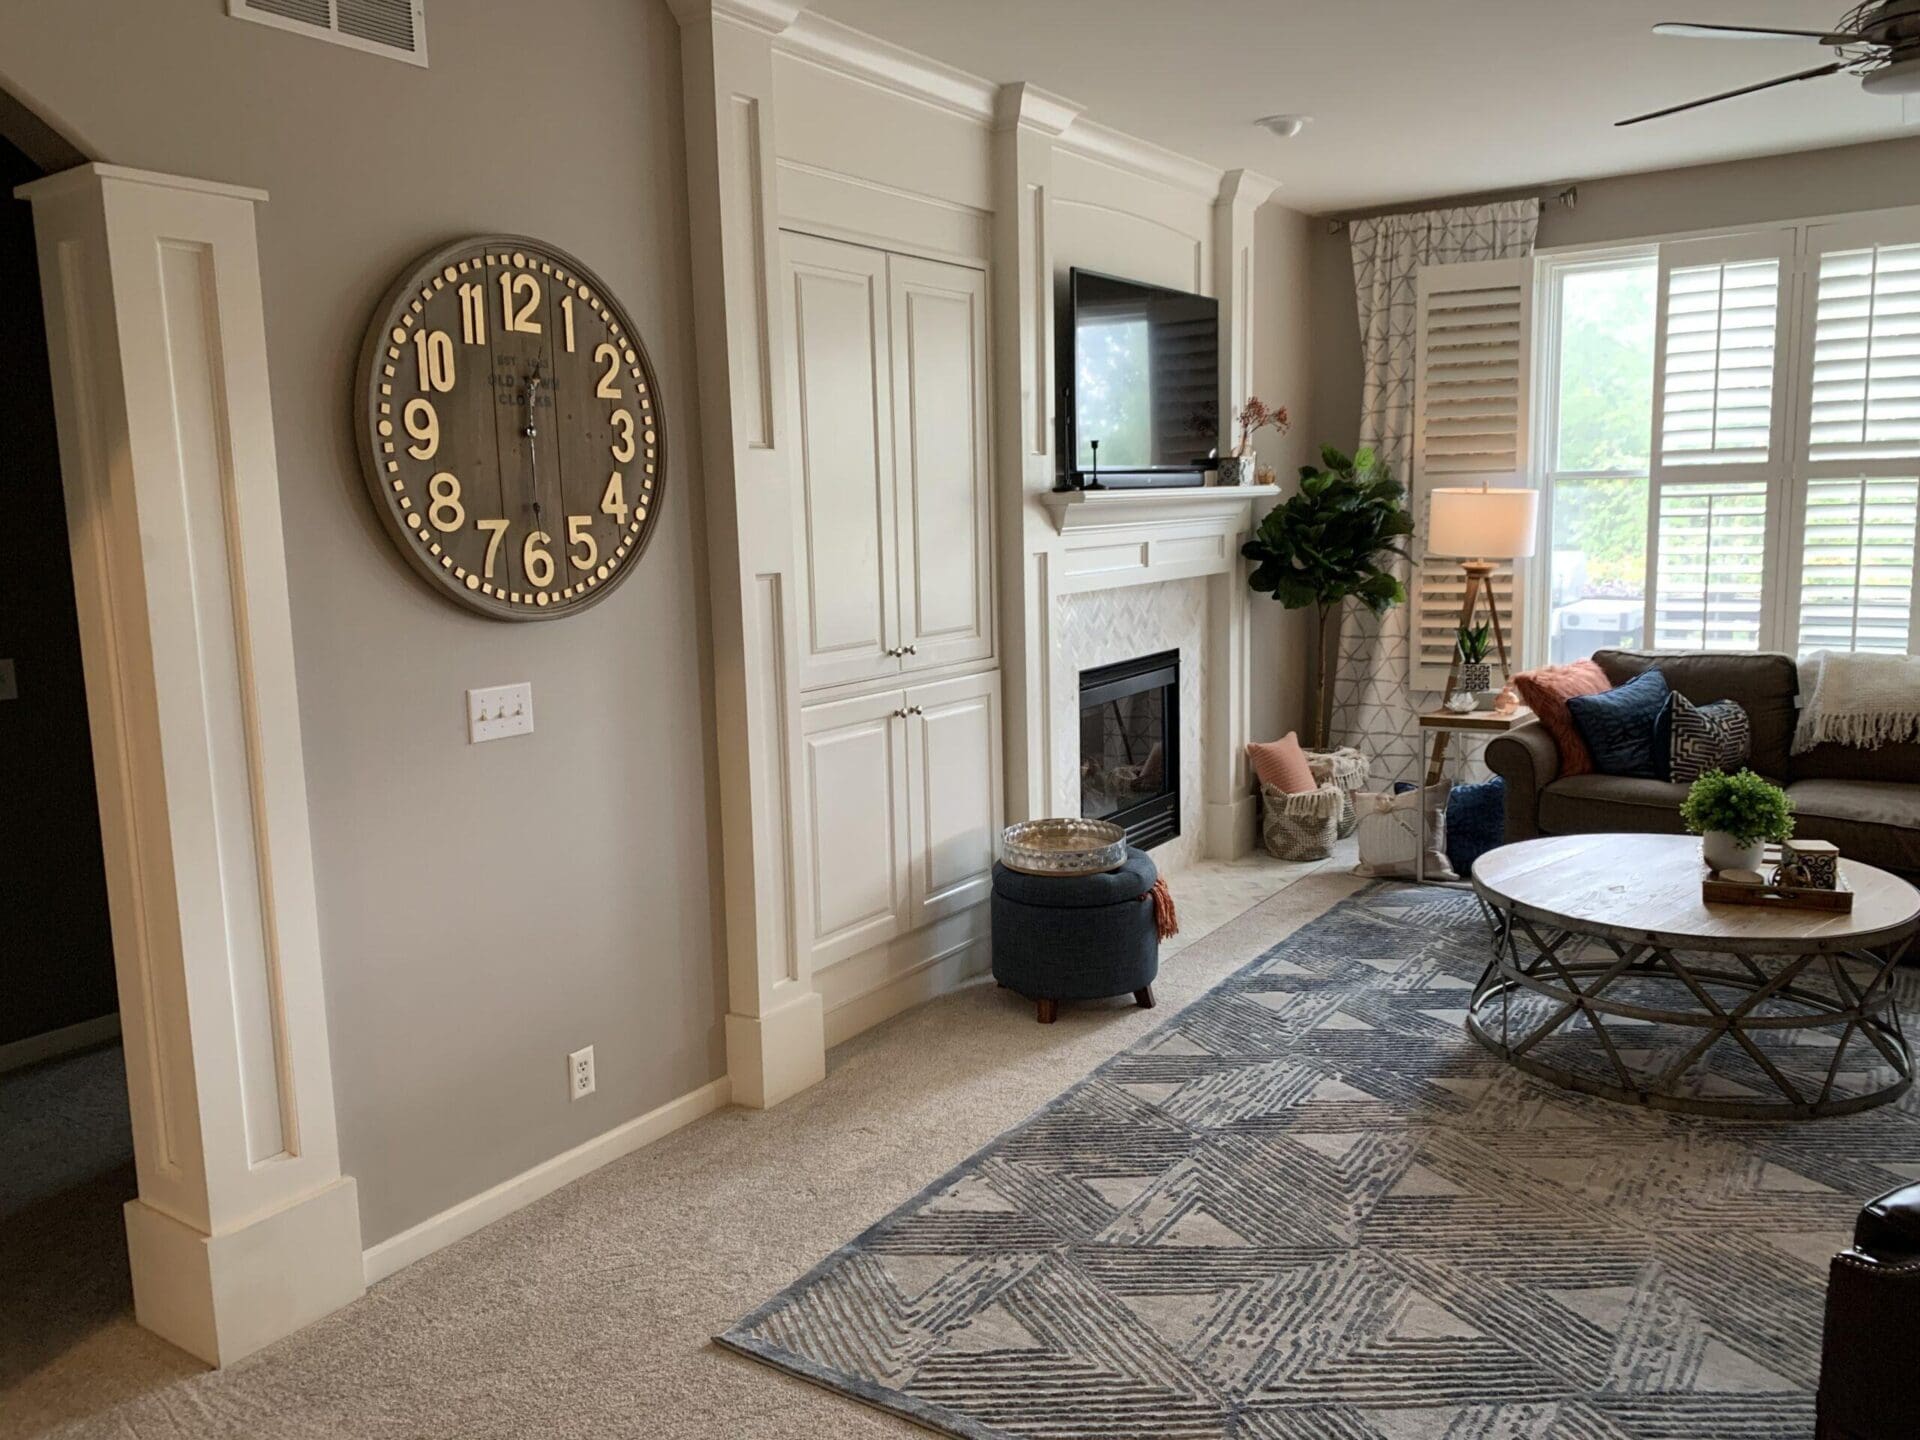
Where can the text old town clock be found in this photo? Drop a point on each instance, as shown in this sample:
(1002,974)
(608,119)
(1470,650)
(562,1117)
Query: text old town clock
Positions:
(510,427)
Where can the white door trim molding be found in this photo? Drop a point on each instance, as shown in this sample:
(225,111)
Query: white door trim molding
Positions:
(244,1229)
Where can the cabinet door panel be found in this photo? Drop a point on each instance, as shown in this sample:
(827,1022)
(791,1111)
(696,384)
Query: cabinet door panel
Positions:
(954,772)
(943,490)
(840,397)
(854,811)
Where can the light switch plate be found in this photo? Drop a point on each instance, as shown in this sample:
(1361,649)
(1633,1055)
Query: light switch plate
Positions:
(9,682)
(499,711)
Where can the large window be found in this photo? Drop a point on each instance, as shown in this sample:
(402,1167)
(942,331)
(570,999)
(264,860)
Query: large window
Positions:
(1600,318)
(1729,441)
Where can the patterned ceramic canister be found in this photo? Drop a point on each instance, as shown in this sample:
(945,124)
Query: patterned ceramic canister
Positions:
(1819,860)
(1476,677)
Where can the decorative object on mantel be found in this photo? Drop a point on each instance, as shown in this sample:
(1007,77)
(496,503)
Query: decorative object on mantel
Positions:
(1476,676)
(1478,527)
(1063,846)
(1266,475)
(1735,816)
(1330,542)
(1301,826)
(1346,769)
(1080,937)
(1252,418)
(1857,699)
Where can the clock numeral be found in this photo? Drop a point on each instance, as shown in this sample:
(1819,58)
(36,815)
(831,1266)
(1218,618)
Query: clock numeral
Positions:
(608,389)
(623,446)
(434,351)
(613,500)
(566,315)
(423,424)
(446,513)
(535,559)
(580,532)
(520,320)
(473,314)
(496,531)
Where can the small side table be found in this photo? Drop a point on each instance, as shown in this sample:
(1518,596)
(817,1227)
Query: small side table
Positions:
(1441,723)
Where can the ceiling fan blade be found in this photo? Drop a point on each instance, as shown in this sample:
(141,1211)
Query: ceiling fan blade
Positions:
(1812,74)
(1688,30)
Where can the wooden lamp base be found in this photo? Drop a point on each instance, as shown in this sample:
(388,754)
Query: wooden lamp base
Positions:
(1479,578)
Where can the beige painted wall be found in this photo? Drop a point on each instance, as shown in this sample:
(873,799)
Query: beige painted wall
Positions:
(1628,207)
(484,910)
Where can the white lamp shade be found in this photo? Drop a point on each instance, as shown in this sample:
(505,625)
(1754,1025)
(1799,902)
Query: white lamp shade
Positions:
(1497,523)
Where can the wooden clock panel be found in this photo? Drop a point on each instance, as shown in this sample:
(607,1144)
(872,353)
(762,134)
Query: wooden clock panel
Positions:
(510,428)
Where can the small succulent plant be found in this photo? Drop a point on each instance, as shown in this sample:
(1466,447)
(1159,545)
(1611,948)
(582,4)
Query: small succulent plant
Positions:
(1474,641)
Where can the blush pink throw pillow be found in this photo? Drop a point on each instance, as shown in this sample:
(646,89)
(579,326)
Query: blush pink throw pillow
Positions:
(1282,764)
(1546,692)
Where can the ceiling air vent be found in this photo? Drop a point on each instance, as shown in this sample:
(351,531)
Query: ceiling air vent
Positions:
(395,28)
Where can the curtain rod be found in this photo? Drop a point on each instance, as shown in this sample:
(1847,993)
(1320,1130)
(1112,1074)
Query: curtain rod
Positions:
(1567,195)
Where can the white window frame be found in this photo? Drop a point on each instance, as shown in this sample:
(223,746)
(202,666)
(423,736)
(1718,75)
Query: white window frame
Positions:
(1789,469)
(1550,269)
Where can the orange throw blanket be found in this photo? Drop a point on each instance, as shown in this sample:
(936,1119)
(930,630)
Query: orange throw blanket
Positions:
(1165,918)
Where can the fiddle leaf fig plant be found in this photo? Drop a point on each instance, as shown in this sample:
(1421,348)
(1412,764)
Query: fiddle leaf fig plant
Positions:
(1334,540)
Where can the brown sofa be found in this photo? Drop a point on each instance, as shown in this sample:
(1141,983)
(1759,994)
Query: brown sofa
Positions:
(1867,802)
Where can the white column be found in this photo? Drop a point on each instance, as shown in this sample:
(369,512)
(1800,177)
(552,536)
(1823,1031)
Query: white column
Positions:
(1027,121)
(1231,804)
(776,1031)
(244,1229)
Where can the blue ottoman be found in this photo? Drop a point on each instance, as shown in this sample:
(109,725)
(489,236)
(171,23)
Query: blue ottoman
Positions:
(1079,937)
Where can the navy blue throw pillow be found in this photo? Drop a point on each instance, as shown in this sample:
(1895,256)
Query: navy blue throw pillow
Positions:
(1618,726)
(1476,822)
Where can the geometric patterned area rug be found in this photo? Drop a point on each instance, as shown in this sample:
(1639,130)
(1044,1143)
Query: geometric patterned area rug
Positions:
(1310,1207)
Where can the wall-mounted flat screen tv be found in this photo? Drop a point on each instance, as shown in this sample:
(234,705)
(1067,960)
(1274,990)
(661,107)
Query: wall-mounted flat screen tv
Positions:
(1140,374)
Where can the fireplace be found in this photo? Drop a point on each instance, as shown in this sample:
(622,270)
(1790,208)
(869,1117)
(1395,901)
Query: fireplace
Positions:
(1130,747)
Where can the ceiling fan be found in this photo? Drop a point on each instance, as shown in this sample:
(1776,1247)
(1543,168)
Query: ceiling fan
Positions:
(1879,41)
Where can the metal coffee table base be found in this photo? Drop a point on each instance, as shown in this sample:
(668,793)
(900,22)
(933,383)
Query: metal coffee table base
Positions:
(1580,987)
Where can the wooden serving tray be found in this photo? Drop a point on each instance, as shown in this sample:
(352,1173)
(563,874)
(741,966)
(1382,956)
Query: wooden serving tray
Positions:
(1717,891)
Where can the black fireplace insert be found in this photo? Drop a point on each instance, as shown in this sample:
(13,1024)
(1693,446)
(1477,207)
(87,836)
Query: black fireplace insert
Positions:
(1130,747)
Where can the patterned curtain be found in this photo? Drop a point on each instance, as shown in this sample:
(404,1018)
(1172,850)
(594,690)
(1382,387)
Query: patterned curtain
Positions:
(1373,706)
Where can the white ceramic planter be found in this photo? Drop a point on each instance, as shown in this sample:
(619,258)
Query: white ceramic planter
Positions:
(1722,852)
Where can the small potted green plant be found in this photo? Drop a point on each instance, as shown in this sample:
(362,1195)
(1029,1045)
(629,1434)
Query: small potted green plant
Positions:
(1735,816)
(1473,642)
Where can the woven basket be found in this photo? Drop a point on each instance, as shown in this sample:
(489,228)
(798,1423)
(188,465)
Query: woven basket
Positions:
(1346,769)
(1301,827)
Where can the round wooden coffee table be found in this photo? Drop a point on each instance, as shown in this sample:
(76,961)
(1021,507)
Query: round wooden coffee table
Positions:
(1596,933)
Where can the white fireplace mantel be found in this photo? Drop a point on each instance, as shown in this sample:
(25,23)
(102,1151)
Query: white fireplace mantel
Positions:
(1222,506)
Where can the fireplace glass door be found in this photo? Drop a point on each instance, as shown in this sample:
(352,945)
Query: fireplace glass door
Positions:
(1130,747)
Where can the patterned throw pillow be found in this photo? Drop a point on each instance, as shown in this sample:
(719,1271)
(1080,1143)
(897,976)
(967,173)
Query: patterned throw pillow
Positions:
(1282,764)
(1547,691)
(1705,737)
(1619,724)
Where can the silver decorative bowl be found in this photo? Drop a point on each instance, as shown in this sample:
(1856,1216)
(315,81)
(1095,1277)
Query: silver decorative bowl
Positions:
(1063,847)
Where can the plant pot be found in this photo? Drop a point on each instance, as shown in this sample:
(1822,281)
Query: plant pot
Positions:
(1476,677)
(1234,469)
(1722,851)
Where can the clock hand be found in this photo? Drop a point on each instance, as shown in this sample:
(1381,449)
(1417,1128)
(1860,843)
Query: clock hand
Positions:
(532,432)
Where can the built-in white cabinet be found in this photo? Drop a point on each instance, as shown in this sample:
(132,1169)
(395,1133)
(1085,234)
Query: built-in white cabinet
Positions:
(888,398)
(900,810)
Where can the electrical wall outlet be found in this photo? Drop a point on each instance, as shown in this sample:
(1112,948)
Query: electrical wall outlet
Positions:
(580,1074)
(498,712)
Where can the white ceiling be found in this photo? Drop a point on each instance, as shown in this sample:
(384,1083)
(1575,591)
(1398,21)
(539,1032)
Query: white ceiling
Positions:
(1410,98)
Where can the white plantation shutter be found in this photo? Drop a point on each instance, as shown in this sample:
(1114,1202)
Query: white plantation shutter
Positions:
(1856,574)
(1858,447)
(1472,369)
(1719,452)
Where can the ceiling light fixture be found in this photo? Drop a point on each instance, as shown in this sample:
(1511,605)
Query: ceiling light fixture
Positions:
(1284,126)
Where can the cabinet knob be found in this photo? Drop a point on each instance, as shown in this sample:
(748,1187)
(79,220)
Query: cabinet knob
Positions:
(900,714)
(912,650)
(915,710)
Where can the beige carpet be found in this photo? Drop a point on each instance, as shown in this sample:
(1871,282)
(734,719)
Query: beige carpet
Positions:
(588,1314)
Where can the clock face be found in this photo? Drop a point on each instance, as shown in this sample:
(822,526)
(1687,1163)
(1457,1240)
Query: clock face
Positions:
(510,428)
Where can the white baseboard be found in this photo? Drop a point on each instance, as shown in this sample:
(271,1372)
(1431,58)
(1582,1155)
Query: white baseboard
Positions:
(31,1051)
(459,1221)
(934,976)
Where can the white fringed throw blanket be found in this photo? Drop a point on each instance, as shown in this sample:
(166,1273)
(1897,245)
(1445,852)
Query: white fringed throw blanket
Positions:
(1861,700)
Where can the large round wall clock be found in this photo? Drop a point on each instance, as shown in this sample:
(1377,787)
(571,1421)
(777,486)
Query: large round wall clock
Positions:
(510,428)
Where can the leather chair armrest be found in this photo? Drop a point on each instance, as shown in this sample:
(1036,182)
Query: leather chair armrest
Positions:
(1528,760)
